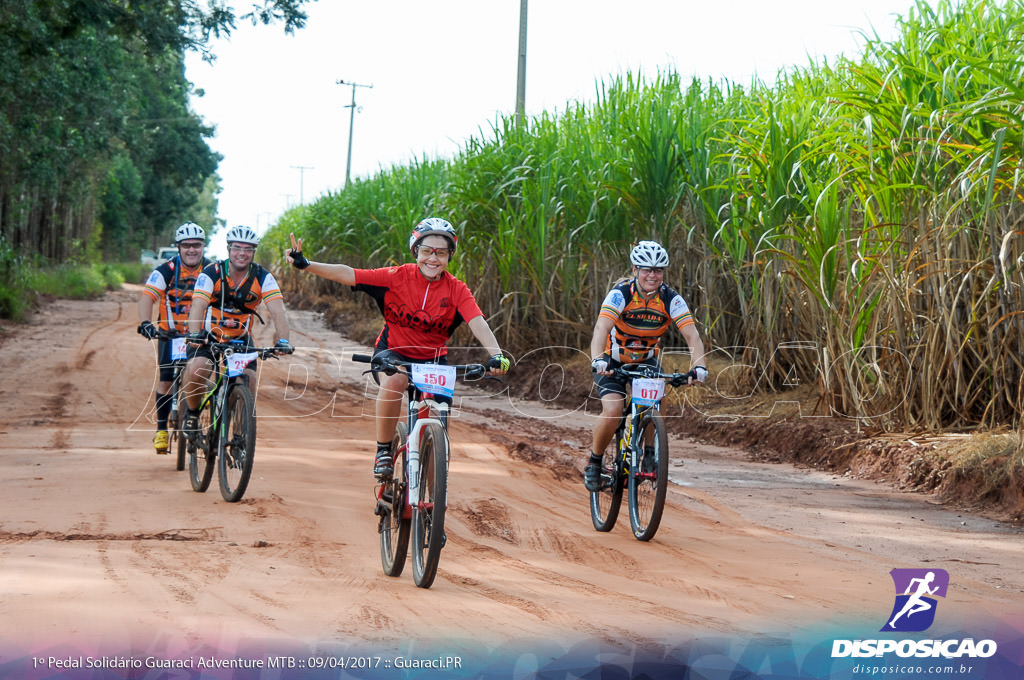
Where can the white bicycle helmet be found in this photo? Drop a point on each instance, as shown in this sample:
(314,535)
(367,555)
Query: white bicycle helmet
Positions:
(432,226)
(649,254)
(242,234)
(190,231)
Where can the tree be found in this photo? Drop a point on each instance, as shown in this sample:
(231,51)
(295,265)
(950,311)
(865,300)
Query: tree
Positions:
(95,127)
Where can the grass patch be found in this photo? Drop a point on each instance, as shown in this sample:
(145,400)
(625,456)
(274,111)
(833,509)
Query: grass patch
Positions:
(21,282)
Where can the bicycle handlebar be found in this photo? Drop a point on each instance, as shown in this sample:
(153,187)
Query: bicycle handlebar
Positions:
(263,352)
(390,367)
(647,371)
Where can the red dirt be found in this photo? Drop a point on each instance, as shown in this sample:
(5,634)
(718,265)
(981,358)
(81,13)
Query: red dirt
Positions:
(103,544)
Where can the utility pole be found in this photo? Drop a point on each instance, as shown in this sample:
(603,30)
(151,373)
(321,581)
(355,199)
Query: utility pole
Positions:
(521,78)
(351,123)
(302,169)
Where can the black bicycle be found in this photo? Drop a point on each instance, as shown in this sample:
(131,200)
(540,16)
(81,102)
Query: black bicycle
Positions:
(413,501)
(226,432)
(639,461)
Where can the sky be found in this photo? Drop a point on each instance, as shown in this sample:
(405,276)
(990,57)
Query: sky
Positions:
(431,75)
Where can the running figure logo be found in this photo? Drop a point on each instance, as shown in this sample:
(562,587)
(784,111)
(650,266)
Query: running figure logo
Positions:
(914,609)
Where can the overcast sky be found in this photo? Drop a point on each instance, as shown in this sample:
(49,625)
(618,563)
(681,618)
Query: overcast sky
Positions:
(443,71)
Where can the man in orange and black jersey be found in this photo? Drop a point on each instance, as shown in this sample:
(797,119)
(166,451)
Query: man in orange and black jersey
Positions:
(223,306)
(169,287)
(634,316)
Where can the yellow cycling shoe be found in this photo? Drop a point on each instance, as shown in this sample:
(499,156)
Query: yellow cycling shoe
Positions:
(161,441)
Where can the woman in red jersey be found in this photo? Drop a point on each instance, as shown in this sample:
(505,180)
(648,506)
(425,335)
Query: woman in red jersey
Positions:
(422,304)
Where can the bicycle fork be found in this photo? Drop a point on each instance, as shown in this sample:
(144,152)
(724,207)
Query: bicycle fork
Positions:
(632,452)
(414,458)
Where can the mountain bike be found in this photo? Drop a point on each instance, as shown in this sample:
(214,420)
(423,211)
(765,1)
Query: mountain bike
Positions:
(226,432)
(639,460)
(412,503)
(176,441)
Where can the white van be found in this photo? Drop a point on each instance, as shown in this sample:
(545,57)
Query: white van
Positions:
(161,256)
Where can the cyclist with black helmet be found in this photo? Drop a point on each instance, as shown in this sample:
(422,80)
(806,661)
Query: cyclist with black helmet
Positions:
(634,316)
(223,306)
(422,304)
(169,289)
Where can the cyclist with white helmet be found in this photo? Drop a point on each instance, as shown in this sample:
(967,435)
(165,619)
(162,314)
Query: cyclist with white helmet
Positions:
(169,289)
(422,304)
(223,307)
(634,316)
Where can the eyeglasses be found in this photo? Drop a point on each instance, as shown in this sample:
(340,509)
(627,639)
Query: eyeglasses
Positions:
(648,271)
(242,249)
(192,246)
(427,251)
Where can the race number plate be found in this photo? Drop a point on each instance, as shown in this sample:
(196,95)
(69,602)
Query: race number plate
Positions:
(238,362)
(178,349)
(648,391)
(434,378)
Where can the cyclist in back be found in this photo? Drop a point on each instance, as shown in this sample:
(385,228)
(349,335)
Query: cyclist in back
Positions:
(223,306)
(634,316)
(169,287)
(422,304)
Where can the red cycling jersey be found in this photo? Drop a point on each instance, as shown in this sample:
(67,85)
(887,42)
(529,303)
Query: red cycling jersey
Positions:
(419,315)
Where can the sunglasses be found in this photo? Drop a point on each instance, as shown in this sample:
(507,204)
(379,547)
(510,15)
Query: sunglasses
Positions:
(427,251)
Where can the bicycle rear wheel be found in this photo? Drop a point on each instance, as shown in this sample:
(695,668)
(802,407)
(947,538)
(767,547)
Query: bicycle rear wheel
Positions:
(428,513)
(177,419)
(649,483)
(393,527)
(201,451)
(237,445)
(606,501)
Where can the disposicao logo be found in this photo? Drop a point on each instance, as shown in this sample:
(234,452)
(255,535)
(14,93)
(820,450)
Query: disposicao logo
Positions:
(912,612)
(916,589)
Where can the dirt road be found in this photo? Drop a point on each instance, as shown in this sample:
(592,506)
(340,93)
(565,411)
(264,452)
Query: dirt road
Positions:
(104,547)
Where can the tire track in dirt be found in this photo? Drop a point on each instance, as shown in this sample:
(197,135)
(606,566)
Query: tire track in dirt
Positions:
(169,535)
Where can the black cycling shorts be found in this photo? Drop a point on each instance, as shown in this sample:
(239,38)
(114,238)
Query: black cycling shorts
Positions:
(391,354)
(613,384)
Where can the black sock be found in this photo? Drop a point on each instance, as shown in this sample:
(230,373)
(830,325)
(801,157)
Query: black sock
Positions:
(163,409)
(384,446)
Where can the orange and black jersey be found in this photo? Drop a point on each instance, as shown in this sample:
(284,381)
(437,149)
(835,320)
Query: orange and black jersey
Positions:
(170,285)
(640,322)
(233,305)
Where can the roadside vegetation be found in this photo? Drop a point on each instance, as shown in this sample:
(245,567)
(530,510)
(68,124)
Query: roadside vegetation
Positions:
(100,153)
(23,281)
(852,225)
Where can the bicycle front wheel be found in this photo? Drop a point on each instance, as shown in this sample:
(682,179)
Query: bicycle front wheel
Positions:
(649,482)
(177,419)
(606,501)
(394,526)
(428,512)
(201,450)
(237,443)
